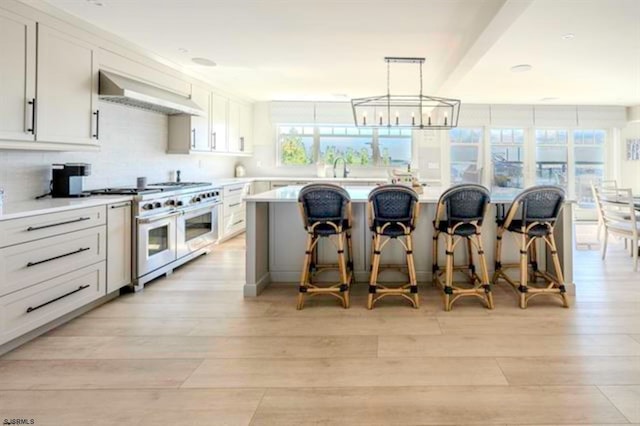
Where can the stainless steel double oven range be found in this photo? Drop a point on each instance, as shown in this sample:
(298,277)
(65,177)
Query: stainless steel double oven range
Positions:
(173,222)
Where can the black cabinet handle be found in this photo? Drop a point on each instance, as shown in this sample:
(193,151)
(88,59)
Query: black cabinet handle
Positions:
(33,308)
(241,143)
(240,221)
(235,189)
(119,206)
(193,138)
(32,130)
(30,264)
(215,140)
(36,228)
(234,204)
(97,114)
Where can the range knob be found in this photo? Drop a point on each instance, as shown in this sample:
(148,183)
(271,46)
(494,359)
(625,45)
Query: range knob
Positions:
(179,203)
(196,199)
(148,206)
(170,203)
(157,205)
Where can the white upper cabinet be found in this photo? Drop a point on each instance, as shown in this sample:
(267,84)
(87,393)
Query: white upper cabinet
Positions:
(67,89)
(190,133)
(240,127)
(17,76)
(219,122)
(234,126)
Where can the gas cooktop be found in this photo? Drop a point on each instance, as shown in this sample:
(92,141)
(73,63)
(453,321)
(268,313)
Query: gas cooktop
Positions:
(150,189)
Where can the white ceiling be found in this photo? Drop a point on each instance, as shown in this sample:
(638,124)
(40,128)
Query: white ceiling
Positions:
(317,49)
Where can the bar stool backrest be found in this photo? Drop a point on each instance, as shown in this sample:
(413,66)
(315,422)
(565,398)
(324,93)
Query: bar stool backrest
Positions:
(464,203)
(537,204)
(323,202)
(393,203)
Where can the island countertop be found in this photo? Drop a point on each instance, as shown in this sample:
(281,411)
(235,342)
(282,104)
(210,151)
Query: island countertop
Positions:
(360,194)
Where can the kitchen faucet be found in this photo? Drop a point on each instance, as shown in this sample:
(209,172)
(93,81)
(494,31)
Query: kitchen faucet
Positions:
(345,171)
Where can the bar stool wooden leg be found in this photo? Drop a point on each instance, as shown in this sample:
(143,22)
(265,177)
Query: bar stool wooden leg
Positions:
(533,260)
(484,272)
(375,263)
(498,257)
(342,266)
(413,280)
(434,255)
(304,276)
(470,264)
(558,268)
(524,272)
(349,254)
(448,286)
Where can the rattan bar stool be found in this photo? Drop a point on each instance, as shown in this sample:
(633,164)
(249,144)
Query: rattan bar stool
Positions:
(459,216)
(326,213)
(531,217)
(393,211)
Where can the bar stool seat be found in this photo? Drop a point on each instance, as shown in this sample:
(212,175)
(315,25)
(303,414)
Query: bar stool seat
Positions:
(326,213)
(459,216)
(531,217)
(393,211)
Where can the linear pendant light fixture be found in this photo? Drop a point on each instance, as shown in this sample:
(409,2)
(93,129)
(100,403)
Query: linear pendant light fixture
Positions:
(412,111)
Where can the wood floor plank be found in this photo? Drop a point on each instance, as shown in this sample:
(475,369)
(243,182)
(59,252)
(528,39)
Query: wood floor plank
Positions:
(166,347)
(579,370)
(87,326)
(437,405)
(95,374)
(345,372)
(49,347)
(508,345)
(626,399)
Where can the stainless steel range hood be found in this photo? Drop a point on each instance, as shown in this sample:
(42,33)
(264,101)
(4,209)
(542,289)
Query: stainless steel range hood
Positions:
(123,90)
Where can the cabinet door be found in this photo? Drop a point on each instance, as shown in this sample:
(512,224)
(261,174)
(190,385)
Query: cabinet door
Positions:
(17,76)
(219,122)
(118,246)
(246,128)
(234,126)
(67,89)
(200,134)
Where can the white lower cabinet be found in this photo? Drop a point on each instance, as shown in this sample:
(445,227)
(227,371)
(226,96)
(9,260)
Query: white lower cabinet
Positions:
(119,233)
(32,307)
(232,220)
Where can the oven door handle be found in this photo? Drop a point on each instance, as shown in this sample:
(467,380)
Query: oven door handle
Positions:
(200,207)
(146,220)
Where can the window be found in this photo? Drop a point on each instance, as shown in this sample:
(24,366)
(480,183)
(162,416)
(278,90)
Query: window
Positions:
(552,157)
(304,145)
(296,145)
(507,157)
(589,162)
(466,159)
(353,144)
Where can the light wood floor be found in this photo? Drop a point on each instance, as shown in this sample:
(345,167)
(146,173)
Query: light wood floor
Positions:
(190,350)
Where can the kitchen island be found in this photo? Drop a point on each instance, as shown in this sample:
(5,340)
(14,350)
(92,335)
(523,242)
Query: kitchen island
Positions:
(275,238)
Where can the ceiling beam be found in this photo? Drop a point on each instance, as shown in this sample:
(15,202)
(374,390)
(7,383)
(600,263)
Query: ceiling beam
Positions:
(478,42)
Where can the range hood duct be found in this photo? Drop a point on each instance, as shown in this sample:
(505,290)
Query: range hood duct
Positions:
(126,91)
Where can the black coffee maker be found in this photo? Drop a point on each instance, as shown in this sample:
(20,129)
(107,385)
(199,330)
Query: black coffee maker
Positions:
(68,179)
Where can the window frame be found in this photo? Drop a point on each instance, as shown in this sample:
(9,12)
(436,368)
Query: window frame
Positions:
(479,145)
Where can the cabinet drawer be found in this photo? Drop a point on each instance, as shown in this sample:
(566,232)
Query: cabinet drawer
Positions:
(233,223)
(243,189)
(233,205)
(26,264)
(35,227)
(28,309)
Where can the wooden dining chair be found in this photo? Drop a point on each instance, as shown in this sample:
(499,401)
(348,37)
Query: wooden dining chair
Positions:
(326,214)
(620,219)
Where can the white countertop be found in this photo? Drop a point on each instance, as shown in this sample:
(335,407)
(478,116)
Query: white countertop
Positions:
(360,194)
(54,205)
(232,181)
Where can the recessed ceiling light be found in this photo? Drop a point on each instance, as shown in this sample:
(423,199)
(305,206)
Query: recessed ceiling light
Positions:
(549,99)
(204,62)
(521,68)
(340,95)
(95,2)
(568,36)
(183,50)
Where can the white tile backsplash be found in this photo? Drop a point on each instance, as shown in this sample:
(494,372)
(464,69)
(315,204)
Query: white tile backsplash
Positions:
(134,143)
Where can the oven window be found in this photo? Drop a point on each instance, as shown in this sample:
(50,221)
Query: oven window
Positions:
(197,226)
(158,240)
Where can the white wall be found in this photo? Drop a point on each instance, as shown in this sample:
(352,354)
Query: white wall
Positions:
(629,170)
(134,143)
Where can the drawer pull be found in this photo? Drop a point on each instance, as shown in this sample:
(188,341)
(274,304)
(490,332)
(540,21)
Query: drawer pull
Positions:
(36,228)
(33,308)
(119,206)
(30,264)
(238,222)
(236,189)
(234,204)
